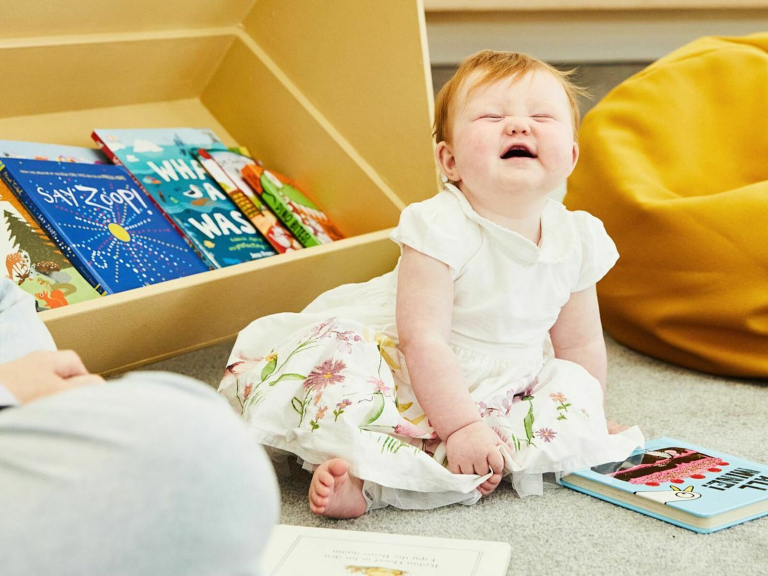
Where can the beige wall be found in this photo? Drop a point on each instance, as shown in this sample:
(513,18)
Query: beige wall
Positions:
(569,34)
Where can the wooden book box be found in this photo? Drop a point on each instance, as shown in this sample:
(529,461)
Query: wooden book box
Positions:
(335,94)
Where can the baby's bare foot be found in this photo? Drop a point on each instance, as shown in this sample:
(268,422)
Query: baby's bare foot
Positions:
(335,493)
(615,427)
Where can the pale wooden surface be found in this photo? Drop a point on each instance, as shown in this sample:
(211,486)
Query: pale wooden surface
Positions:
(359,142)
(74,127)
(40,78)
(32,18)
(306,147)
(565,5)
(366,70)
(123,331)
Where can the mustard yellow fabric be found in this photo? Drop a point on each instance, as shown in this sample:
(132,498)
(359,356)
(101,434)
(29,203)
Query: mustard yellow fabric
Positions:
(674,161)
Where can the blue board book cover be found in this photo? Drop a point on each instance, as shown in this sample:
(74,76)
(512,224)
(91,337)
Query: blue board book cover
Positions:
(31,259)
(164,162)
(103,222)
(692,487)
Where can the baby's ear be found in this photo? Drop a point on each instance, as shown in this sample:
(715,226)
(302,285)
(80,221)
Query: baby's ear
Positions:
(446,161)
(575,154)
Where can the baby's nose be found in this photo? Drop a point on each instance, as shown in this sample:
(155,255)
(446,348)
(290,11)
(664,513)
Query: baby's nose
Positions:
(517,125)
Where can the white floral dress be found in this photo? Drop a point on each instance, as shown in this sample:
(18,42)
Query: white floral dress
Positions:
(330,381)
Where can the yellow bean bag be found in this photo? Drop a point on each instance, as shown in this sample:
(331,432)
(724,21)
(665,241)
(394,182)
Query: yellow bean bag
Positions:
(674,161)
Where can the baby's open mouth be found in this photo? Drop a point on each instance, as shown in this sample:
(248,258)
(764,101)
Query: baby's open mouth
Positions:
(518,151)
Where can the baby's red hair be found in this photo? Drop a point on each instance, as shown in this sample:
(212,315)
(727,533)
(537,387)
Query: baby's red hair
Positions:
(492,66)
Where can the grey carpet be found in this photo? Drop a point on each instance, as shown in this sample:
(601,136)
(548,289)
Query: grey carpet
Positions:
(565,532)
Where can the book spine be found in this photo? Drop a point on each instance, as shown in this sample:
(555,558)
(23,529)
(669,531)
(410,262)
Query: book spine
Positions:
(191,242)
(241,200)
(53,233)
(272,224)
(284,214)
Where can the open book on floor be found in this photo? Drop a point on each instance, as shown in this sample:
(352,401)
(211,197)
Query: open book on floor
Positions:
(692,487)
(296,550)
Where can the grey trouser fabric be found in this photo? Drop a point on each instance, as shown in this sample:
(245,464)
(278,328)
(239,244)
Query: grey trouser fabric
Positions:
(151,474)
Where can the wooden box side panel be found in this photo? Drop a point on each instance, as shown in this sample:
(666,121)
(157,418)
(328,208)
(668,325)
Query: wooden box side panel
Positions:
(365,66)
(262,113)
(53,78)
(33,18)
(74,128)
(126,330)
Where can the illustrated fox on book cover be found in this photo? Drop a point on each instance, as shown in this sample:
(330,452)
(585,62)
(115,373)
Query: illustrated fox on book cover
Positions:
(225,167)
(31,260)
(27,256)
(103,222)
(300,215)
(163,162)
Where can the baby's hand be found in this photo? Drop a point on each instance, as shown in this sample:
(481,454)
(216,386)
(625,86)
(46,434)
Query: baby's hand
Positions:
(474,449)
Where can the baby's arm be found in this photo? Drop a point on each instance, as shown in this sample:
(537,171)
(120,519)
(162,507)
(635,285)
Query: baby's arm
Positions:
(578,336)
(424,314)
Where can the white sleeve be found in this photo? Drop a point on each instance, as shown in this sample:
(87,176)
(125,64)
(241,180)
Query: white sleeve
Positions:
(21,329)
(438,228)
(598,252)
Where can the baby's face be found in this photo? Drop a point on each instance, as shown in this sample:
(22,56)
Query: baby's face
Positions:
(512,136)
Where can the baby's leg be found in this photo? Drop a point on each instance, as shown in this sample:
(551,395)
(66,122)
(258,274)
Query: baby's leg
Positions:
(334,492)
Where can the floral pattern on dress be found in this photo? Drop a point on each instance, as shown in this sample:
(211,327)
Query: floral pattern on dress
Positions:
(341,388)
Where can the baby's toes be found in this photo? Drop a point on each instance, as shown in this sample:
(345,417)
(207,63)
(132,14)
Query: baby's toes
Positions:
(325,479)
(315,509)
(317,500)
(322,489)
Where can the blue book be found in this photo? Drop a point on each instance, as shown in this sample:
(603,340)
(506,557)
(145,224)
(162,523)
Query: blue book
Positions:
(32,261)
(164,162)
(103,222)
(686,485)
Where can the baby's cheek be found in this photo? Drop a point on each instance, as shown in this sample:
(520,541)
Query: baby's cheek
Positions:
(472,152)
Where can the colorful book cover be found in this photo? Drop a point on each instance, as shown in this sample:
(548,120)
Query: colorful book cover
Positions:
(33,261)
(27,255)
(56,152)
(225,166)
(163,162)
(294,209)
(692,487)
(103,222)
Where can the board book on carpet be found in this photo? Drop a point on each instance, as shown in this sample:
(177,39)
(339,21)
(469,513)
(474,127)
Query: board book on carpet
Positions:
(692,487)
(295,550)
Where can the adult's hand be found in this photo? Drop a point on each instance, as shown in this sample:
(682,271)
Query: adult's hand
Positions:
(44,373)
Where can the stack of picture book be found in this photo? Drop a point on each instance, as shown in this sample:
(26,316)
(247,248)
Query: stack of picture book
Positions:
(151,205)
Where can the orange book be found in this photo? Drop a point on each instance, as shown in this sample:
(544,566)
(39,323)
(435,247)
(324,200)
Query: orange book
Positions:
(224,166)
(300,215)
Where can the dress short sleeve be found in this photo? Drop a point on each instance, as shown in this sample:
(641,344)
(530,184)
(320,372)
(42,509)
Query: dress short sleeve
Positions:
(598,252)
(439,228)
